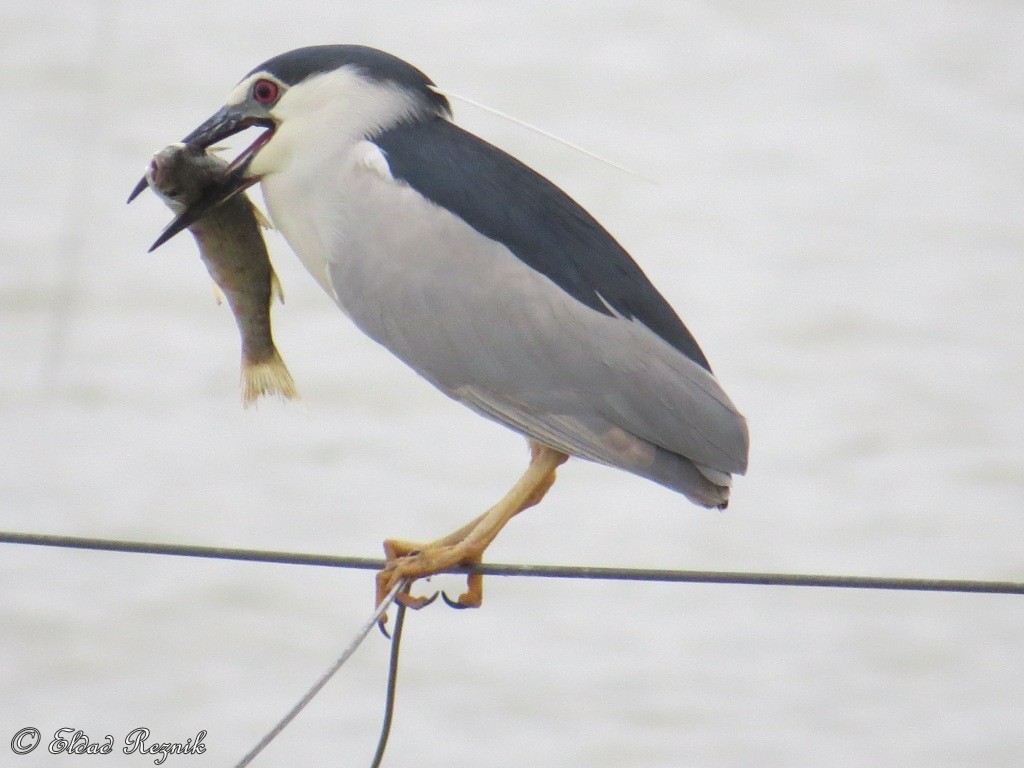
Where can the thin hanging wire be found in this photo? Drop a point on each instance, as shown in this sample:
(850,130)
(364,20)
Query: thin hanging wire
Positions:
(326,676)
(389,697)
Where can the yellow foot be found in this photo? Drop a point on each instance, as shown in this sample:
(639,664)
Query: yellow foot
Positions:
(406,560)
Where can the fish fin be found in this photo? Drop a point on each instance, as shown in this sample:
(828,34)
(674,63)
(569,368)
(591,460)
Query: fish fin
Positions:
(218,294)
(275,287)
(269,377)
(261,217)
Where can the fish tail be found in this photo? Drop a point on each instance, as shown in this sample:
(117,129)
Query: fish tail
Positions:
(266,377)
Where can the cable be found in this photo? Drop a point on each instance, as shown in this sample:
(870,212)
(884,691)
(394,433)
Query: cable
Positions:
(543,571)
(389,696)
(326,676)
(547,571)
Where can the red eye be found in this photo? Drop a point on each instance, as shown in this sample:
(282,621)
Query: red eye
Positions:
(265,91)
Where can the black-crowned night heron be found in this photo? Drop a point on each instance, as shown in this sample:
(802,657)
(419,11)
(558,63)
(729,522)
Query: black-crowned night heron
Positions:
(480,274)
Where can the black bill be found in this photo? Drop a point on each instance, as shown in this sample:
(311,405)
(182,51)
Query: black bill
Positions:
(226,122)
(233,183)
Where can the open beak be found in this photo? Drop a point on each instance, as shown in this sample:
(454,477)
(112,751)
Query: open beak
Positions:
(226,122)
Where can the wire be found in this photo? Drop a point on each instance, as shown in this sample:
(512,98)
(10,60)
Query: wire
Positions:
(547,571)
(326,676)
(543,571)
(541,132)
(389,697)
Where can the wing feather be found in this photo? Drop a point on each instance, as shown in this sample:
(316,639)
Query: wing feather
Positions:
(509,202)
(491,330)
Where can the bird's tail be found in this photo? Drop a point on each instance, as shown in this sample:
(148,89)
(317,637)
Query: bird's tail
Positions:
(701,485)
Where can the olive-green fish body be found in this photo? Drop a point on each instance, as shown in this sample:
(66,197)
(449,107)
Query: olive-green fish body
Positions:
(232,248)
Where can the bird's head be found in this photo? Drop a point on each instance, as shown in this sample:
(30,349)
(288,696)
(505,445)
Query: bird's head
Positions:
(308,101)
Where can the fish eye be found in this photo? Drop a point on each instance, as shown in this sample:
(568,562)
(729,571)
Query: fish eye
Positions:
(265,91)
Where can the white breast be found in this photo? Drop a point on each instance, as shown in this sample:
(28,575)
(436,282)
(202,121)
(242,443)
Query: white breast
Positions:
(312,167)
(325,210)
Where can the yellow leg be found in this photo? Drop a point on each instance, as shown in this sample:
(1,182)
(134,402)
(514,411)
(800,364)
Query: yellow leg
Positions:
(465,546)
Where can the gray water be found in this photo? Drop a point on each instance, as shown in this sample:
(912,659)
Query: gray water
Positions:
(835,209)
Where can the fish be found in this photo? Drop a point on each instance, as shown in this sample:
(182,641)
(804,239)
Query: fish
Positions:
(231,246)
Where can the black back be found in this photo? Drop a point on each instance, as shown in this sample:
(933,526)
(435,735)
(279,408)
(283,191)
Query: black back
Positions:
(507,201)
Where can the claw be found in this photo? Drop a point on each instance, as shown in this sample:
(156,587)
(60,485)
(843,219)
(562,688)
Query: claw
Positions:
(453,603)
(465,546)
(415,602)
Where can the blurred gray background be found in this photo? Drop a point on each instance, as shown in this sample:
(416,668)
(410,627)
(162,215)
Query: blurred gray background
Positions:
(836,213)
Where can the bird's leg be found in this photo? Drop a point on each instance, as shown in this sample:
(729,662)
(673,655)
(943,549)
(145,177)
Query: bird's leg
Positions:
(466,545)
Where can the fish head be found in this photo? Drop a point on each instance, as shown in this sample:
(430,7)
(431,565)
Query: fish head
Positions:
(193,188)
(181,174)
(312,100)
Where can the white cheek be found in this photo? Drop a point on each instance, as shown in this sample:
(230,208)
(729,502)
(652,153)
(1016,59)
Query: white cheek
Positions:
(241,92)
(272,156)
